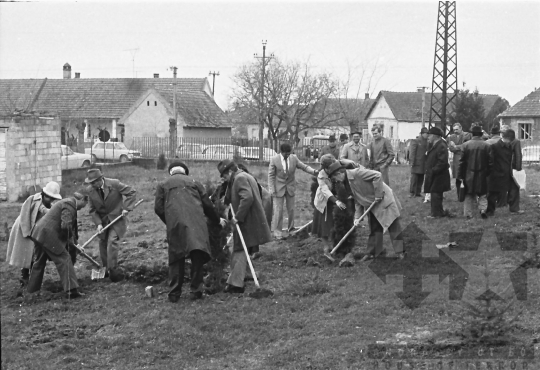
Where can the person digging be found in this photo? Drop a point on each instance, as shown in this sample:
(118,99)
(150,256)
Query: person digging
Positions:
(369,191)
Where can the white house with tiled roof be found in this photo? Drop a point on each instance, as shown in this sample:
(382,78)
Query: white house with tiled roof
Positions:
(401,112)
(524,117)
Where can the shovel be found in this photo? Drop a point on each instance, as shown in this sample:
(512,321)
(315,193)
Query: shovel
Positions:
(259,293)
(302,228)
(99,274)
(351,230)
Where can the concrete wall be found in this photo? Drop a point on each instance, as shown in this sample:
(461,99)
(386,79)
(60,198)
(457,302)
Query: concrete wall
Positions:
(382,114)
(32,155)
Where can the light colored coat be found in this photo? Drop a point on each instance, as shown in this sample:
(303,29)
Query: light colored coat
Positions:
(279,181)
(366,185)
(20,246)
(323,192)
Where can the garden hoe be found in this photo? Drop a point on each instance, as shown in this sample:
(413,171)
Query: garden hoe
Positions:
(259,293)
(100,273)
(351,230)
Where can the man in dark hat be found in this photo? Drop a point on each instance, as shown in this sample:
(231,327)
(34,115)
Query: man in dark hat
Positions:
(182,204)
(52,235)
(343,139)
(495,135)
(437,177)
(244,197)
(366,186)
(106,204)
(417,157)
(355,150)
(381,153)
(474,169)
(331,148)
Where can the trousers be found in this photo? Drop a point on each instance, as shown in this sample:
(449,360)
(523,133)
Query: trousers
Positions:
(495,198)
(239,267)
(417,180)
(469,204)
(375,239)
(108,249)
(64,266)
(437,209)
(177,270)
(277,222)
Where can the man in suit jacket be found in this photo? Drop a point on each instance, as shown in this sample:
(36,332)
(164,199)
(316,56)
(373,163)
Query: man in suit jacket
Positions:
(52,235)
(417,158)
(282,185)
(245,199)
(106,204)
(455,141)
(381,153)
(437,178)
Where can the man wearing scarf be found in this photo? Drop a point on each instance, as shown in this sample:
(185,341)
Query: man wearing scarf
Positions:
(182,204)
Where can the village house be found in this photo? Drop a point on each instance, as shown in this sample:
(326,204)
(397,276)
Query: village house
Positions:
(401,112)
(524,117)
(126,107)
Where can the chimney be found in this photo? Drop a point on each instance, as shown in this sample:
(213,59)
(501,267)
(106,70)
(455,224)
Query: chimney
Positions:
(156,75)
(67,71)
(420,89)
(77,74)
(366,96)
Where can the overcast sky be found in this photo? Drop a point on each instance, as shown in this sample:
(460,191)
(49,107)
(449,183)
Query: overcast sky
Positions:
(498,42)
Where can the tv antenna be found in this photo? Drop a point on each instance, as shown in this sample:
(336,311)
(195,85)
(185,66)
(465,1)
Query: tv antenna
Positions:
(133,52)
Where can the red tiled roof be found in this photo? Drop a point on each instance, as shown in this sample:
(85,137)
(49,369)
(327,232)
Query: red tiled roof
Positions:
(529,106)
(110,98)
(407,106)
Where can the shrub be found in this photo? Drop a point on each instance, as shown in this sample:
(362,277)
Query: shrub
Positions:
(162,162)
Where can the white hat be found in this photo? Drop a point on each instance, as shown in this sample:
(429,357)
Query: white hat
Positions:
(52,189)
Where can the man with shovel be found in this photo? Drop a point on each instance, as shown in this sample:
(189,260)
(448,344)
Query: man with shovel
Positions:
(368,190)
(244,197)
(106,204)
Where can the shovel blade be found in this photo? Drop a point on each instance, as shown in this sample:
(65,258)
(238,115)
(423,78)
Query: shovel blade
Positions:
(98,274)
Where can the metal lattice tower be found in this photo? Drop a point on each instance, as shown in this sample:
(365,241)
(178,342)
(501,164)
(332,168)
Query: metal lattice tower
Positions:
(444,87)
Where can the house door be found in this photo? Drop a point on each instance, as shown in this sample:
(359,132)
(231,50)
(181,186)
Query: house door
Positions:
(3,184)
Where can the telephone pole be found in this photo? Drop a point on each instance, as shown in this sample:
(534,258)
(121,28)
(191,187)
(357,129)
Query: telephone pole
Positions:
(173,129)
(262,106)
(213,74)
(423,101)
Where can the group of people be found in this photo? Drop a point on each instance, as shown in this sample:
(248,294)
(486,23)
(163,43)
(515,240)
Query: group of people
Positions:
(481,164)
(47,227)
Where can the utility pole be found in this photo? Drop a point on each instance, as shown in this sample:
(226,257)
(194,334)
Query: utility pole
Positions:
(262,106)
(213,74)
(423,101)
(133,52)
(173,126)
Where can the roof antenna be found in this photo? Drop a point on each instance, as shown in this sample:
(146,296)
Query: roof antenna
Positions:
(133,52)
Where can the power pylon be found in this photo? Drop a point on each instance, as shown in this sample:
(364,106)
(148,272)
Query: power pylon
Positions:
(444,88)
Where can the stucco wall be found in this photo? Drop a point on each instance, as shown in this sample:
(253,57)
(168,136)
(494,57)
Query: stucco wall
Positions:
(514,122)
(207,132)
(382,114)
(32,155)
(409,130)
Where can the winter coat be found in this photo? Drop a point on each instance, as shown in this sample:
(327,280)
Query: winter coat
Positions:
(417,155)
(105,211)
(381,153)
(475,165)
(355,152)
(517,155)
(57,227)
(458,140)
(280,181)
(329,150)
(20,247)
(437,178)
(182,204)
(366,185)
(323,192)
(245,199)
(501,170)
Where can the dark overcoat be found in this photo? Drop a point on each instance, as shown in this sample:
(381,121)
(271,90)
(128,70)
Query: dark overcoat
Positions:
(475,165)
(329,150)
(103,211)
(181,203)
(437,179)
(52,232)
(458,140)
(517,155)
(245,199)
(417,155)
(501,170)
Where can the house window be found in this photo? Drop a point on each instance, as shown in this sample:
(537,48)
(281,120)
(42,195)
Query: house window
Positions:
(155,103)
(391,132)
(525,131)
(148,103)
(89,132)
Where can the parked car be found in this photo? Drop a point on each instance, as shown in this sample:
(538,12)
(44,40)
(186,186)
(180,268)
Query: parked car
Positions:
(70,159)
(111,151)
(221,151)
(252,152)
(531,154)
(190,151)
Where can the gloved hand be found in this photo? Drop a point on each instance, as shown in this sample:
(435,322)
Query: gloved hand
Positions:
(357,222)
(99,228)
(223,222)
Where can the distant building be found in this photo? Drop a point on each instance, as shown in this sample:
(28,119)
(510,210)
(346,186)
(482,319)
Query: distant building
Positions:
(524,117)
(125,107)
(401,112)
